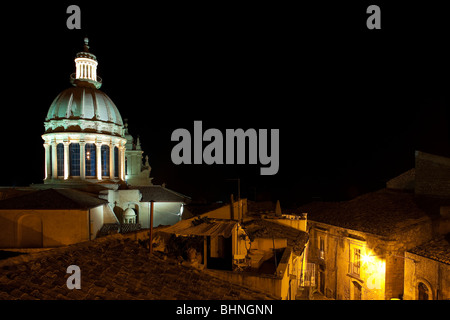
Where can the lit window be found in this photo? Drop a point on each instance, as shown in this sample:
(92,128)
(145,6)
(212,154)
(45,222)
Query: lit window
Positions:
(90,160)
(60,159)
(74,151)
(105,160)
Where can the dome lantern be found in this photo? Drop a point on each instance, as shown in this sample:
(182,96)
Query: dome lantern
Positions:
(86,69)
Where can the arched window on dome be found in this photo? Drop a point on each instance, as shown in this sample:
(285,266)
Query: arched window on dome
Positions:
(74,151)
(116,162)
(105,160)
(60,159)
(90,159)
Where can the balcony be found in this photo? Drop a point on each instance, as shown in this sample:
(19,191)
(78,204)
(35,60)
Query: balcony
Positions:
(97,84)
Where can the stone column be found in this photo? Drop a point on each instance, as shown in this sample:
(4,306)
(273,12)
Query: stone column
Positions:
(54,161)
(47,161)
(98,153)
(82,160)
(122,163)
(66,160)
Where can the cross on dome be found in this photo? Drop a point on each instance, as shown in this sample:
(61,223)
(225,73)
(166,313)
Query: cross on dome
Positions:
(86,44)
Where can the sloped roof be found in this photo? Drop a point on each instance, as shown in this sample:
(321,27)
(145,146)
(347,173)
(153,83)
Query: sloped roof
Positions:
(202,227)
(160,194)
(112,268)
(437,249)
(52,199)
(260,228)
(383,212)
(404,181)
(11,192)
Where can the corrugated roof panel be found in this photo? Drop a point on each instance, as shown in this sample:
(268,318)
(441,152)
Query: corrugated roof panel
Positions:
(210,228)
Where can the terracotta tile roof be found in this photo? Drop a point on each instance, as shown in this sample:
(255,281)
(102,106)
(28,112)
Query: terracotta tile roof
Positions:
(259,228)
(383,212)
(437,249)
(160,194)
(112,268)
(52,199)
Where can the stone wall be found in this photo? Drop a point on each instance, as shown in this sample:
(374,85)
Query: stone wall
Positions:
(277,285)
(435,275)
(46,228)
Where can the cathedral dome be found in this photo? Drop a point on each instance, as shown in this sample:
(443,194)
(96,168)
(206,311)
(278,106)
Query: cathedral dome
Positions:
(84,103)
(83,109)
(84,132)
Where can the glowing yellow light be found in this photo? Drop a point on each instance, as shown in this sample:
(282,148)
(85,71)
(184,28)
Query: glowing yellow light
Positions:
(88,155)
(367,258)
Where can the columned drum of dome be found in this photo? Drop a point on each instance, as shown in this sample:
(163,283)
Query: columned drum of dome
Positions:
(84,132)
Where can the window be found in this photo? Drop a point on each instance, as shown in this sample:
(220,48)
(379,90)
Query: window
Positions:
(105,160)
(116,162)
(60,159)
(321,248)
(90,159)
(74,151)
(356,265)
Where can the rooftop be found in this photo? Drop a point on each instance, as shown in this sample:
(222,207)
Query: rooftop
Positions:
(260,228)
(437,249)
(383,212)
(160,194)
(112,268)
(201,227)
(52,199)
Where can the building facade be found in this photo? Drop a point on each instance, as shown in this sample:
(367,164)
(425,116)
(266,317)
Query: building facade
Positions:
(52,218)
(358,247)
(427,271)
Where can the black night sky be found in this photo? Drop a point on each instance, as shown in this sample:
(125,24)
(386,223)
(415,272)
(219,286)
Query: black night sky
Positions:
(351,104)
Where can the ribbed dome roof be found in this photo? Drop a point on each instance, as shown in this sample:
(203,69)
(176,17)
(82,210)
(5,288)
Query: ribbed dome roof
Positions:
(84,103)
(129,213)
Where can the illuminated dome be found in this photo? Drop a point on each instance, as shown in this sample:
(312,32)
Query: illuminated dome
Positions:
(129,216)
(84,135)
(83,109)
